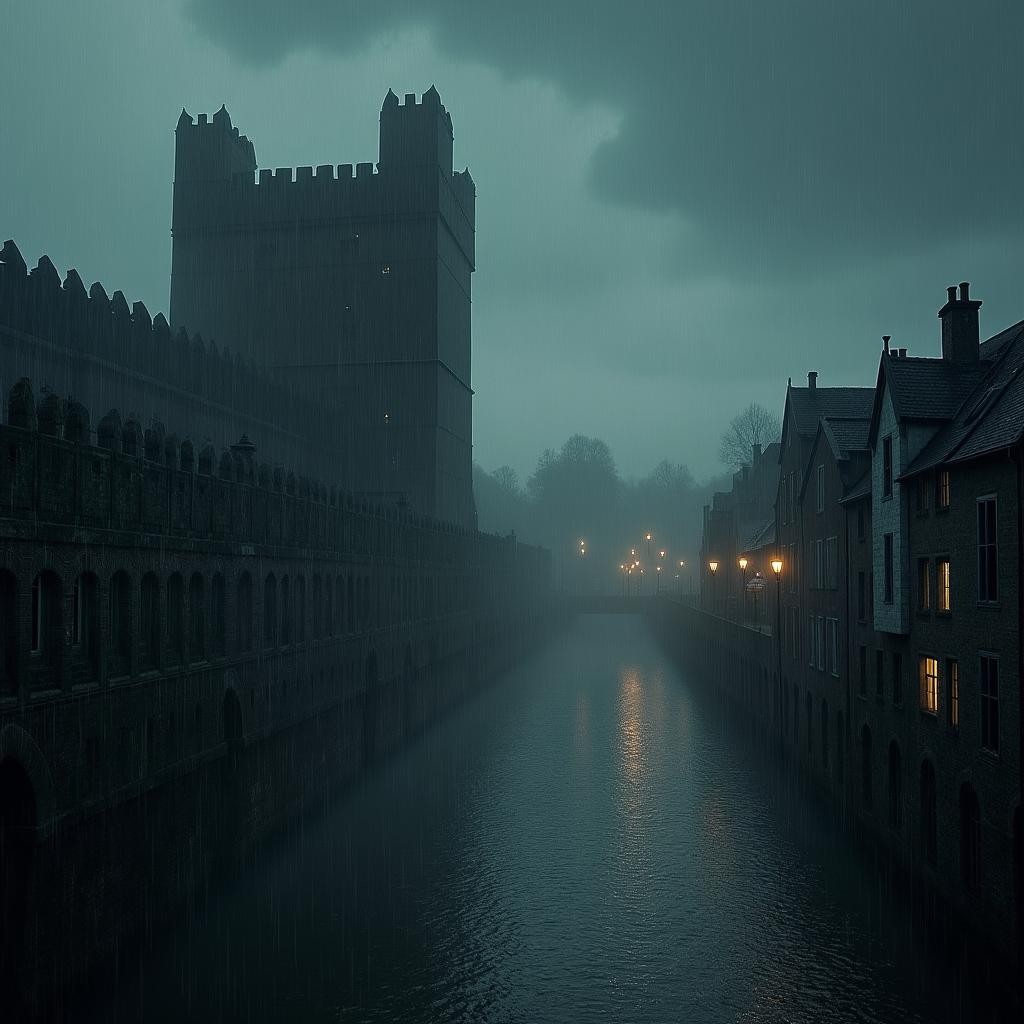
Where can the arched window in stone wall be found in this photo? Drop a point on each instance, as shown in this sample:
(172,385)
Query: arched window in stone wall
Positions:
(317,597)
(218,614)
(929,816)
(300,609)
(270,611)
(46,618)
(865,767)
(970,837)
(85,628)
(197,617)
(243,613)
(175,619)
(120,648)
(149,626)
(286,610)
(895,787)
(8,632)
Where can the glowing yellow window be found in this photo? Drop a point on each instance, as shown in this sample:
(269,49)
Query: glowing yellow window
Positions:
(942,583)
(930,685)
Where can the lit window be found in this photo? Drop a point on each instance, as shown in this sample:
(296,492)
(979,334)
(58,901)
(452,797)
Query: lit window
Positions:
(942,584)
(930,685)
(942,489)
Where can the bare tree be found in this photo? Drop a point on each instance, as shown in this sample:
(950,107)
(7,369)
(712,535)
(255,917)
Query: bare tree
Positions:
(755,425)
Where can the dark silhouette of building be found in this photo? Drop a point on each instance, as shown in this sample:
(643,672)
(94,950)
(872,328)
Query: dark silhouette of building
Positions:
(352,286)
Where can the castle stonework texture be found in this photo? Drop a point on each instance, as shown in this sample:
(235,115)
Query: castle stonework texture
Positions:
(352,285)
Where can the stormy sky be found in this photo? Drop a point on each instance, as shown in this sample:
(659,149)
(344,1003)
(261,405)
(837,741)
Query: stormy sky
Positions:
(680,204)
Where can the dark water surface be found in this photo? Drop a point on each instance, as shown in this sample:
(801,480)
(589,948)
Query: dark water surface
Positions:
(588,839)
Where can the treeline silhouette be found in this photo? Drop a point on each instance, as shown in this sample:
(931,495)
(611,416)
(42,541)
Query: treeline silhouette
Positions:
(576,493)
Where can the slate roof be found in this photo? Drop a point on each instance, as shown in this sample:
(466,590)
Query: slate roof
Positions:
(991,416)
(861,489)
(847,435)
(808,405)
(931,389)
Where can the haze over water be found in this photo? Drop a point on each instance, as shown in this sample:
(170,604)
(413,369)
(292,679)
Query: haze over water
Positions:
(588,839)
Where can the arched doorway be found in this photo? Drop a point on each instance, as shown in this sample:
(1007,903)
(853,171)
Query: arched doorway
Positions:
(18,820)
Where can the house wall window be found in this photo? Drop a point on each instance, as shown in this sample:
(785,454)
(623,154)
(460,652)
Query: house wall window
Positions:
(942,585)
(988,589)
(942,489)
(819,564)
(924,585)
(953,693)
(821,643)
(930,685)
(887,466)
(832,629)
(988,687)
(888,542)
(832,562)
(879,674)
(820,489)
(924,493)
(862,670)
(861,599)
(810,641)
(897,678)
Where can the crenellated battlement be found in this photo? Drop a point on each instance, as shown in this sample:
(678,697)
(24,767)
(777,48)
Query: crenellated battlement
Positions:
(64,467)
(37,303)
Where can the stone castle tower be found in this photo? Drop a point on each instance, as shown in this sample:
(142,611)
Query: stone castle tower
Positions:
(354,285)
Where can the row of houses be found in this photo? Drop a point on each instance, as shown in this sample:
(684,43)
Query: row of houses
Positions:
(897,517)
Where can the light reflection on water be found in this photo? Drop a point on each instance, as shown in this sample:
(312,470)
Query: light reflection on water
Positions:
(586,840)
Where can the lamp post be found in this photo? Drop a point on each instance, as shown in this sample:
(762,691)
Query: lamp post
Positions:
(713,569)
(743,587)
(648,539)
(777,569)
(658,589)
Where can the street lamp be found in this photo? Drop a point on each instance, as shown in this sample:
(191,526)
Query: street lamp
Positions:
(776,564)
(713,569)
(743,588)
(658,589)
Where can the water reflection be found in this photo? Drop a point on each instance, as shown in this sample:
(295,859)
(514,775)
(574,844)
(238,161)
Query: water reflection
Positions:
(585,841)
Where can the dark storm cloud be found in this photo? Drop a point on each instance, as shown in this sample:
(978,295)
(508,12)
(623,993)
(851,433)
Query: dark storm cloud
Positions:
(787,136)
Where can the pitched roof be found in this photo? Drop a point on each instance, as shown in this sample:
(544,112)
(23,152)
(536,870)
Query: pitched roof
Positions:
(808,405)
(764,536)
(928,388)
(991,416)
(847,435)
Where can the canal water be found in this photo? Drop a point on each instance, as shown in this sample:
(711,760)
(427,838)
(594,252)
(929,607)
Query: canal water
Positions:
(590,838)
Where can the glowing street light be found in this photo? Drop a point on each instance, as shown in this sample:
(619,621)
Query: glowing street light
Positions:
(743,565)
(713,566)
(777,567)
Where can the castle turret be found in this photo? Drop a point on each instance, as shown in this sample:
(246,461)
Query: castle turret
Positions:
(210,150)
(415,134)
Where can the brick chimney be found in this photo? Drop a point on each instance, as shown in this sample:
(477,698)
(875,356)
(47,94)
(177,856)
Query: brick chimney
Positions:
(812,379)
(959,318)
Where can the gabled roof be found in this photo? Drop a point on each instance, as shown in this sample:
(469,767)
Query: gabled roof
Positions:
(808,405)
(991,416)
